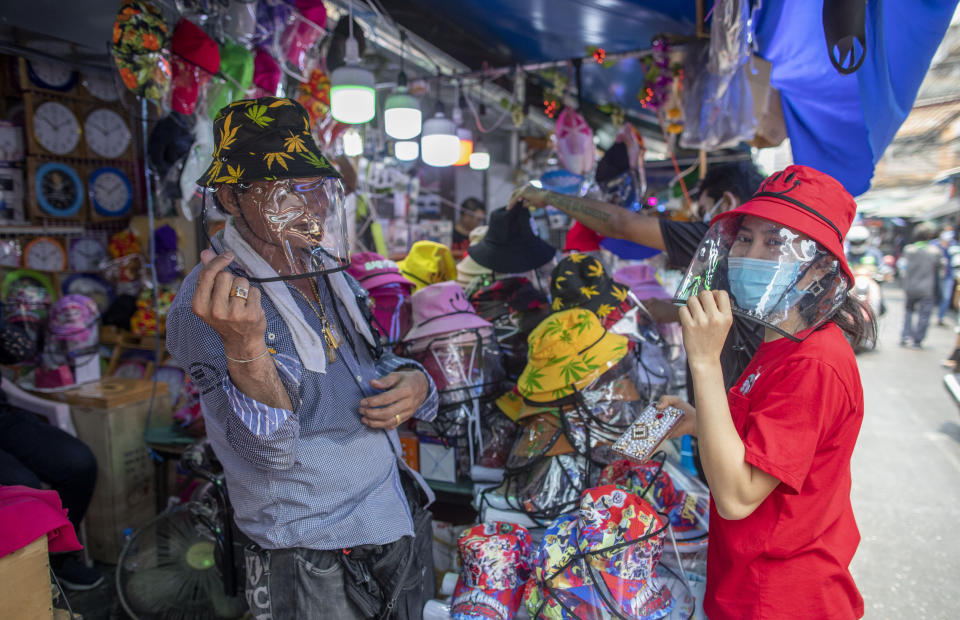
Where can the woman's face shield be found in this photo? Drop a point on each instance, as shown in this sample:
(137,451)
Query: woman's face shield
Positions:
(774,274)
(297,225)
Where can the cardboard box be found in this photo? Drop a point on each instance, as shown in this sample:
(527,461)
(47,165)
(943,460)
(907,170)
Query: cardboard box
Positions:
(438,461)
(25,583)
(110,416)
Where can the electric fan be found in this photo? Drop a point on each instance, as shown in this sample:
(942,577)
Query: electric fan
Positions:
(172,568)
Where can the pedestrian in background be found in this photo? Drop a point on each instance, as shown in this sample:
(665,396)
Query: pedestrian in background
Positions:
(923,269)
(951,253)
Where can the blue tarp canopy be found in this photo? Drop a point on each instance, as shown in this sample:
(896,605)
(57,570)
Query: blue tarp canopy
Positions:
(838,124)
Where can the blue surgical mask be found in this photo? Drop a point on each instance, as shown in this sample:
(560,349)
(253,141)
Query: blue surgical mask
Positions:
(752,278)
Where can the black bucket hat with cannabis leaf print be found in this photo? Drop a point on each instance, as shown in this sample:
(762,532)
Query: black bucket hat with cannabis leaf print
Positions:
(580,281)
(264,140)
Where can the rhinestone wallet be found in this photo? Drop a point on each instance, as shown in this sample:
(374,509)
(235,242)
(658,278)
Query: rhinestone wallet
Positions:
(641,440)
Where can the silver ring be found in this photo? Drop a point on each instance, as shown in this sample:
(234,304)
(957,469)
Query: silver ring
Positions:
(240,291)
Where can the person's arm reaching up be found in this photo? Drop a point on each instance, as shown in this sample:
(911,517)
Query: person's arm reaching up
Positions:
(606,219)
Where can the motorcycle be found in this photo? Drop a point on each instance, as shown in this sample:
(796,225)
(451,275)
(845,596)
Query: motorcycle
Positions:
(866,288)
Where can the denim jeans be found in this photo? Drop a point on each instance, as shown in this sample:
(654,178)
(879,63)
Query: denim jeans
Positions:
(924,308)
(33,452)
(947,297)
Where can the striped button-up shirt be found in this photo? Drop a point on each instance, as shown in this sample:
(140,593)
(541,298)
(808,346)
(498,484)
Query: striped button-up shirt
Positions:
(313,476)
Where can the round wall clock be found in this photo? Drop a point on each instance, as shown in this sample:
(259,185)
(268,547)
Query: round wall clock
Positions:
(59,190)
(101,85)
(45,254)
(106,133)
(10,253)
(111,192)
(94,287)
(56,128)
(51,75)
(86,253)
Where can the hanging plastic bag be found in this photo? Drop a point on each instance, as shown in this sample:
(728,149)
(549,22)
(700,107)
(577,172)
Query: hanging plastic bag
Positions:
(718,110)
(729,39)
(299,44)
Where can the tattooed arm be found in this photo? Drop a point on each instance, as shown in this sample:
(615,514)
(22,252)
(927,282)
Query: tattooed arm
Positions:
(607,219)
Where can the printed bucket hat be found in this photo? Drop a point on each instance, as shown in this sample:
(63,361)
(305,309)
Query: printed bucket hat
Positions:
(580,281)
(600,562)
(428,262)
(642,281)
(496,559)
(568,351)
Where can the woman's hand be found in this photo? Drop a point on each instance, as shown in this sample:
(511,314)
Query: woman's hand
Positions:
(706,320)
(688,423)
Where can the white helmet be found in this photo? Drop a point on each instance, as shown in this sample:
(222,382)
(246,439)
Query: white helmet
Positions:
(858,238)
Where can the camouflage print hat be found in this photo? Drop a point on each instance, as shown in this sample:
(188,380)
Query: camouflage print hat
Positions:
(263,140)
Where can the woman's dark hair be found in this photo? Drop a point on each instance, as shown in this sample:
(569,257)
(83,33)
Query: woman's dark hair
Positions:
(741,178)
(856,320)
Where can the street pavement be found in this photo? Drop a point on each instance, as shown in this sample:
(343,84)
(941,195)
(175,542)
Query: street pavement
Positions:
(906,477)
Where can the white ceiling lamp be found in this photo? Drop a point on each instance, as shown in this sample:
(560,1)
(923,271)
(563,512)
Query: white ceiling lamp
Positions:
(406,150)
(402,119)
(352,143)
(439,144)
(463,134)
(352,95)
(480,158)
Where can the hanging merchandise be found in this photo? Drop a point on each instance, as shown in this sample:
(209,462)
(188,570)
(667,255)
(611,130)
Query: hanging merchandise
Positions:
(168,147)
(145,321)
(168,263)
(642,281)
(619,184)
(515,307)
(196,59)
(238,24)
(601,562)
(510,245)
(389,293)
(299,42)
(140,49)
(683,499)
(730,39)
(580,281)
(574,142)
(352,87)
(428,262)
(266,74)
(562,181)
(236,65)
(497,559)
(201,152)
(780,255)
(74,336)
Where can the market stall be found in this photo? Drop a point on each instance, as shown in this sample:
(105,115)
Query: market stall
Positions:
(538,336)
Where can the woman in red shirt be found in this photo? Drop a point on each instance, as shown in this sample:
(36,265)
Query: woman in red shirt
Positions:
(776,449)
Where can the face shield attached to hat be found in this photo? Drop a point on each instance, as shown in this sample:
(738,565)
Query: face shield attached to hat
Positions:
(285,199)
(775,275)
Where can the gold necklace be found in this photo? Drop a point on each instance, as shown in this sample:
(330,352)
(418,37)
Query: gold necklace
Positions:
(329,335)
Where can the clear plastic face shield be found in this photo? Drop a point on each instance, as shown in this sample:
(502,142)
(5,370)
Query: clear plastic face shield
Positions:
(299,225)
(775,276)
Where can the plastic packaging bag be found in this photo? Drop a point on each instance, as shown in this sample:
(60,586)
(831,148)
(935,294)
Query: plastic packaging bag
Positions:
(717,108)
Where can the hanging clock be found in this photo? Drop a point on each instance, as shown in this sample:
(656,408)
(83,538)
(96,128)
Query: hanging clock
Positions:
(59,190)
(56,128)
(94,287)
(101,85)
(111,192)
(106,133)
(51,75)
(86,253)
(10,253)
(45,254)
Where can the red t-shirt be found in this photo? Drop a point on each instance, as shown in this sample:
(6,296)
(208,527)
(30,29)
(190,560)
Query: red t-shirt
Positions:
(798,408)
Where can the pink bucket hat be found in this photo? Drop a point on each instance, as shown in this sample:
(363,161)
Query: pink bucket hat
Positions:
(440,309)
(642,281)
(372,270)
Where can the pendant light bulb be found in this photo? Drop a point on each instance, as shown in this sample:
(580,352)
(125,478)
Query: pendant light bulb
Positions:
(352,143)
(402,118)
(352,94)
(480,158)
(439,144)
(406,150)
(465,139)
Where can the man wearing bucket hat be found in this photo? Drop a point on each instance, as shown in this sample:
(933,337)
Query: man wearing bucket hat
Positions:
(776,450)
(300,401)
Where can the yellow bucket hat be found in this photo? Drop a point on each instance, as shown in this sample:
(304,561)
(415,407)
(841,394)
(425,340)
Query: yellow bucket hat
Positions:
(568,350)
(427,263)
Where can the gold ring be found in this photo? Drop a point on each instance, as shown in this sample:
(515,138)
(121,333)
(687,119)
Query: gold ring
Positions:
(240,291)
(397,416)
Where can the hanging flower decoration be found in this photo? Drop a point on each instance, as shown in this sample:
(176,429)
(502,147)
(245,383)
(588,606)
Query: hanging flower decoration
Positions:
(550,108)
(659,76)
(599,55)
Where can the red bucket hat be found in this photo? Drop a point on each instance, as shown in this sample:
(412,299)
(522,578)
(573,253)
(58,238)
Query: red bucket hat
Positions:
(807,201)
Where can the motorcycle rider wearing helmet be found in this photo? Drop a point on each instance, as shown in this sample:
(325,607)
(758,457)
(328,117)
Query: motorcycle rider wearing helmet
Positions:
(776,448)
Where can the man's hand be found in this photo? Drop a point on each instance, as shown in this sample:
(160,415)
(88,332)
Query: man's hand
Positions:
(241,323)
(404,392)
(705,319)
(529,195)
(688,423)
